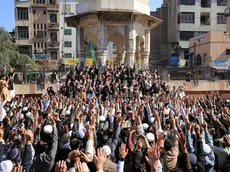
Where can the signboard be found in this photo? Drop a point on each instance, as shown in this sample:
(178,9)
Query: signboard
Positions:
(220,65)
(174,61)
(70,61)
(40,56)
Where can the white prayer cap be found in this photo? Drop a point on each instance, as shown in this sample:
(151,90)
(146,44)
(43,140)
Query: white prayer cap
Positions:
(6,166)
(145,126)
(106,150)
(48,129)
(2,113)
(150,137)
(102,118)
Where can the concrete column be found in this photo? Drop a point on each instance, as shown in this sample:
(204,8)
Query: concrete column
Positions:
(145,58)
(80,48)
(101,45)
(81,56)
(101,59)
(131,45)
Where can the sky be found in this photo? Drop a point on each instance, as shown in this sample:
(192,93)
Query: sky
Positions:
(7,12)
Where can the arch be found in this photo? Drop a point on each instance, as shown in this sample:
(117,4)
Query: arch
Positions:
(198,60)
(90,37)
(118,42)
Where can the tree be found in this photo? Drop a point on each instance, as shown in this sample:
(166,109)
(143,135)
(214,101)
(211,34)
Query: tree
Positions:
(9,55)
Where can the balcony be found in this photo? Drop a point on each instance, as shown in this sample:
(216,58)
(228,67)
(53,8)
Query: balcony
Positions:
(53,45)
(53,26)
(227,12)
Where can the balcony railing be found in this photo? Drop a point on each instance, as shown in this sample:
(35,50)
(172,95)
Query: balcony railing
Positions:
(53,44)
(53,26)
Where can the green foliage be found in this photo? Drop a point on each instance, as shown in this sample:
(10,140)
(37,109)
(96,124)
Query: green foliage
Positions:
(9,55)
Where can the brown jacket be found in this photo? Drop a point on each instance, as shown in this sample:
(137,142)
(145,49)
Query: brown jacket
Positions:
(109,166)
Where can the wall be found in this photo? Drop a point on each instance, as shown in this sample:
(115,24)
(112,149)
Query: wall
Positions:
(159,36)
(214,44)
(123,5)
(222,85)
(174,28)
(63,26)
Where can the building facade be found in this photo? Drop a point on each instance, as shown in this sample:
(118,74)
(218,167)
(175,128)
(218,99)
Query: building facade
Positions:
(68,35)
(160,48)
(193,18)
(126,24)
(37,29)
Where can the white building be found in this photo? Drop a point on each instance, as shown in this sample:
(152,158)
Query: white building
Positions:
(192,18)
(68,35)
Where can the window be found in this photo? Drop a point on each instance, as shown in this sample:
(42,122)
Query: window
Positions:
(34,26)
(67,44)
(221,19)
(44,12)
(44,33)
(76,8)
(197,34)
(22,14)
(198,60)
(42,45)
(52,1)
(186,35)
(45,45)
(23,32)
(38,45)
(222,2)
(34,45)
(67,55)
(53,36)
(53,55)
(34,33)
(227,51)
(37,26)
(24,49)
(41,26)
(68,31)
(44,26)
(186,17)
(186,2)
(53,18)
(34,12)
(205,3)
(39,1)
(205,19)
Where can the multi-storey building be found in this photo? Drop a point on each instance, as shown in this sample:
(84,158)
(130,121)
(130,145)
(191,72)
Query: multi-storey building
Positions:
(192,18)
(68,34)
(37,28)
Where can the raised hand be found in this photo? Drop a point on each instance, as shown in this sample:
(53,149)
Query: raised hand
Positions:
(100,159)
(78,166)
(61,166)
(182,141)
(153,156)
(123,151)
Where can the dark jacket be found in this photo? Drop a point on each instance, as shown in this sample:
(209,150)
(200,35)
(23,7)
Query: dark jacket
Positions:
(27,157)
(45,161)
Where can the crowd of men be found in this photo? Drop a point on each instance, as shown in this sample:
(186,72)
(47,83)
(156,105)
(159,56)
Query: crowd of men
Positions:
(124,119)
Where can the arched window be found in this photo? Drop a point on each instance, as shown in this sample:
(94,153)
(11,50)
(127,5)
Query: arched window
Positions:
(198,60)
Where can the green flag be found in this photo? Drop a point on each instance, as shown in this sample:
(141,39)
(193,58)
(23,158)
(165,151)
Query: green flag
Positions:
(93,58)
(75,59)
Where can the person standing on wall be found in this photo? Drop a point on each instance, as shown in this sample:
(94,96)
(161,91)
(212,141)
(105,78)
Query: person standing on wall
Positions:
(11,83)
